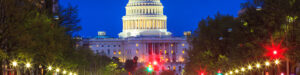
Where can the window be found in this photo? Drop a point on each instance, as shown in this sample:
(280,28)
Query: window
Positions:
(165,51)
(102,45)
(183,44)
(119,45)
(114,45)
(108,51)
(102,52)
(115,52)
(108,45)
(172,45)
(167,59)
(97,45)
(182,51)
(119,52)
(172,52)
(137,51)
(137,45)
(174,67)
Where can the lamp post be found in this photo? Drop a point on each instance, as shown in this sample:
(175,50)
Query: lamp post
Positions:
(15,67)
(27,66)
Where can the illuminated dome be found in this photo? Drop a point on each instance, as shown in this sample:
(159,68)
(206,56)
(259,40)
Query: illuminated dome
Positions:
(144,18)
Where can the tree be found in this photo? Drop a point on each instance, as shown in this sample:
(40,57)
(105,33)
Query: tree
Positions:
(166,72)
(130,66)
(219,43)
(68,18)
(275,20)
(29,33)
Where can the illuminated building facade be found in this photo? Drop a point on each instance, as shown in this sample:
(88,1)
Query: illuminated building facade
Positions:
(144,35)
(144,18)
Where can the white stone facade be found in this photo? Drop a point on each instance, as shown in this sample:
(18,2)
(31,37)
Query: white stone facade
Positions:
(169,51)
(144,35)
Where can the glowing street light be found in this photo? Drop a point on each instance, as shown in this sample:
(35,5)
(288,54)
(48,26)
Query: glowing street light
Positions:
(50,68)
(230,72)
(236,71)
(249,67)
(70,73)
(64,72)
(267,63)
(57,70)
(14,63)
(257,65)
(243,69)
(155,63)
(27,65)
(277,61)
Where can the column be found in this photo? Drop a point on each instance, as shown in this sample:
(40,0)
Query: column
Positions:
(145,25)
(165,25)
(136,24)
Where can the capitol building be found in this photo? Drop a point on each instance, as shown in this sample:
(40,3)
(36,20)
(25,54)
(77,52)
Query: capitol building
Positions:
(145,36)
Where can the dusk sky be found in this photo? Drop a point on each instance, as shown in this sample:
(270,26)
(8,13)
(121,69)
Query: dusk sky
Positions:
(183,15)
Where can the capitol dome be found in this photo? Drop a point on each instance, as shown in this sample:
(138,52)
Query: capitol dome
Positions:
(144,17)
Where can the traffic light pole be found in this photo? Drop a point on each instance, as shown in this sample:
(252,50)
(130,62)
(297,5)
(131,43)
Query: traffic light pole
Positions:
(287,67)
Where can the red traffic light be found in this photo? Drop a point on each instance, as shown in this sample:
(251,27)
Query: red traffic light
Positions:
(275,50)
(219,71)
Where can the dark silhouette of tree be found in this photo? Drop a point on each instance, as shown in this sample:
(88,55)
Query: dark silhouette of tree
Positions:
(167,72)
(131,65)
(219,43)
(68,18)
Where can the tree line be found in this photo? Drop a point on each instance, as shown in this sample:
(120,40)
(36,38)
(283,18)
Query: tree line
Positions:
(224,41)
(30,31)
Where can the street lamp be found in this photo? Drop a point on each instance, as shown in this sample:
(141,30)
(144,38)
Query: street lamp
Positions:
(267,63)
(155,63)
(236,71)
(14,63)
(57,70)
(243,69)
(64,72)
(27,65)
(249,67)
(50,68)
(230,72)
(257,65)
(277,61)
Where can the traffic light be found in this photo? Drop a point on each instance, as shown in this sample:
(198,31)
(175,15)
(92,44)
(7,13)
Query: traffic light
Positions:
(219,72)
(149,68)
(275,50)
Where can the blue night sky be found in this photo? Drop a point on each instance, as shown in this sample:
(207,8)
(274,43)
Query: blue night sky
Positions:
(183,15)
